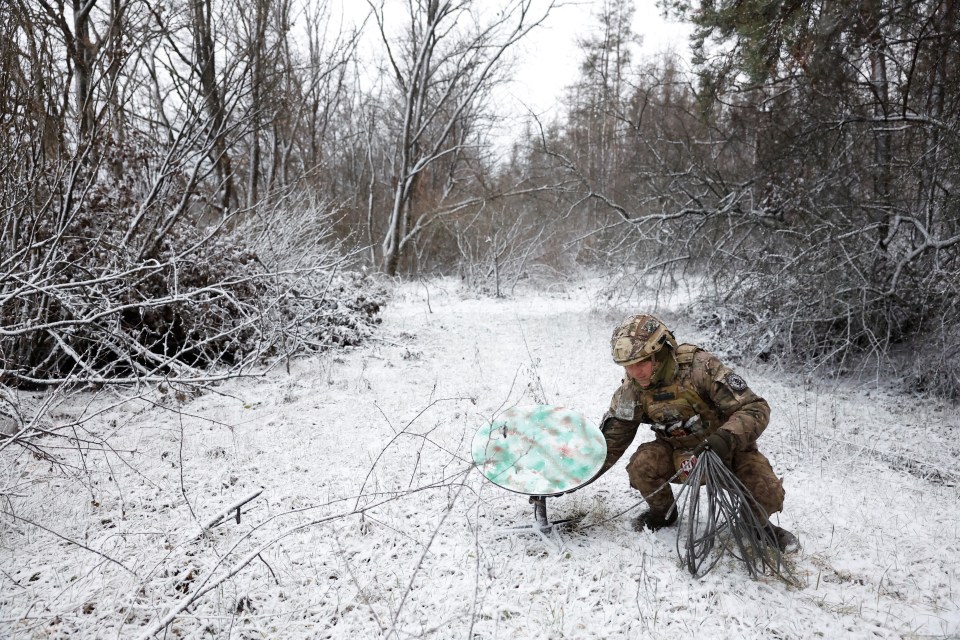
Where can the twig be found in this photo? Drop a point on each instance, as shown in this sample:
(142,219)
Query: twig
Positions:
(71,541)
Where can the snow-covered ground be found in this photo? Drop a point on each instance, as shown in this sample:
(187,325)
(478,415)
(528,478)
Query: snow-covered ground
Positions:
(373,523)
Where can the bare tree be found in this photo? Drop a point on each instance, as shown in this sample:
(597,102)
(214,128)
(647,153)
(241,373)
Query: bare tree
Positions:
(441,66)
(598,98)
(204,50)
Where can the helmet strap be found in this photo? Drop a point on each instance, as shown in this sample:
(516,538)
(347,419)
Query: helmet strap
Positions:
(666,367)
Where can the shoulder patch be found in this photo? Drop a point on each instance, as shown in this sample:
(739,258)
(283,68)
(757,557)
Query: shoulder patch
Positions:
(685,353)
(735,382)
(624,404)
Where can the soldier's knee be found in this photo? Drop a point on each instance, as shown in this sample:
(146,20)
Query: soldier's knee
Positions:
(770,495)
(650,463)
(756,474)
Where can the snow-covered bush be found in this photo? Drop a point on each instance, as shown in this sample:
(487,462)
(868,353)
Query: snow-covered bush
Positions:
(110,287)
(828,304)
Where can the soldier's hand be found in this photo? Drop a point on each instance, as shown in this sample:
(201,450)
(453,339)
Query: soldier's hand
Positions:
(721,443)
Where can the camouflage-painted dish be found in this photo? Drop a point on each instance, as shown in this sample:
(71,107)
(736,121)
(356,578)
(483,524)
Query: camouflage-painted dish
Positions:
(540,450)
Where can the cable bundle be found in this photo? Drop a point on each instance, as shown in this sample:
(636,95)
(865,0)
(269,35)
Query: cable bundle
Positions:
(726,521)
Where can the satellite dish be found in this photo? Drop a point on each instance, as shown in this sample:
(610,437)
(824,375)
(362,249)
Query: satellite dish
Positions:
(539,450)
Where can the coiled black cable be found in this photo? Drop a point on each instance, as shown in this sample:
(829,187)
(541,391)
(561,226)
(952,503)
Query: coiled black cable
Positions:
(728,520)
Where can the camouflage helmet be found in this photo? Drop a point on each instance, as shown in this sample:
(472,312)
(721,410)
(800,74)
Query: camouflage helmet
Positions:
(638,338)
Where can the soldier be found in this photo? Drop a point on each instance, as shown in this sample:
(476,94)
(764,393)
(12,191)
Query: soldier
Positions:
(692,402)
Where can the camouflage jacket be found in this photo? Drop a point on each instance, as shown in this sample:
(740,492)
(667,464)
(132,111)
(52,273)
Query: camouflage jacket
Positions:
(701,386)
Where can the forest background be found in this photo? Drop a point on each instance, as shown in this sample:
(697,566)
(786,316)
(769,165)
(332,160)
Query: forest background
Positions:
(198,182)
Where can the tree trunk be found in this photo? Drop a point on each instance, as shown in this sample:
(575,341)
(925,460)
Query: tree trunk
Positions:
(261,8)
(83,61)
(879,85)
(206,69)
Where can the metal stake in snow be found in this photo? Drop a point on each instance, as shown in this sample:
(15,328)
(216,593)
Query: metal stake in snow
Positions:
(540,451)
(233,509)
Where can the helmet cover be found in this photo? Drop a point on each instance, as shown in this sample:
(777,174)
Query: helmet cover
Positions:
(638,338)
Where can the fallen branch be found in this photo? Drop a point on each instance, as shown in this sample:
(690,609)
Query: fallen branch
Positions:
(235,507)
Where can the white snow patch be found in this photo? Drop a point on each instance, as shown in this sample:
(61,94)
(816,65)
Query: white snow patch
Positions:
(372,522)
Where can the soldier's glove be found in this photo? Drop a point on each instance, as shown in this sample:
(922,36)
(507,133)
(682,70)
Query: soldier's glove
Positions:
(721,443)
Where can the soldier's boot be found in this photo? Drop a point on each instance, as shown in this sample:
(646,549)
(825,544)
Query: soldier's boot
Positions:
(654,519)
(786,541)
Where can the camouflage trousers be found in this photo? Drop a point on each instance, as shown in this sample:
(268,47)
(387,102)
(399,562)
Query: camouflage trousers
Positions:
(652,465)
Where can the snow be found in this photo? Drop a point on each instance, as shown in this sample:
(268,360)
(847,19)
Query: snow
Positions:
(372,522)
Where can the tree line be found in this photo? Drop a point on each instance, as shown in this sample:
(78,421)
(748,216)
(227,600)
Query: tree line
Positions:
(805,169)
(175,172)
